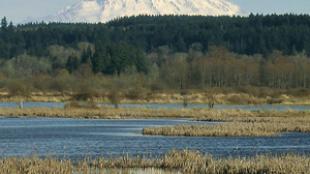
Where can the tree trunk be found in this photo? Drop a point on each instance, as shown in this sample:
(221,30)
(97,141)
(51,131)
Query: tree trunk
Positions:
(21,104)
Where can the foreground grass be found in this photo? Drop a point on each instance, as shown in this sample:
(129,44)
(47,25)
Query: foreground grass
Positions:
(187,162)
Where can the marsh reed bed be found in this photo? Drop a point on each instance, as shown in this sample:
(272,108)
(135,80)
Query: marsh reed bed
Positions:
(240,123)
(123,113)
(230,129)
(186,162)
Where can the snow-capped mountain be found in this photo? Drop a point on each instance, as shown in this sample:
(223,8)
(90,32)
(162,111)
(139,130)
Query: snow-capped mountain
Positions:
(106,10)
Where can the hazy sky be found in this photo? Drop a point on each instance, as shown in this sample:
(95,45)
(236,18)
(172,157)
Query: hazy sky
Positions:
(19,10)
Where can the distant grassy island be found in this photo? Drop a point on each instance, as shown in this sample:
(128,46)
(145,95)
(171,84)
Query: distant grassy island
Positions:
(233,129)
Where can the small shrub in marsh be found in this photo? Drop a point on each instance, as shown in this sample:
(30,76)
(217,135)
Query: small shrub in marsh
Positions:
(81,105)
(86,92)
(136,94)
(243,99)
(84,96)
(237,99)
(20,90)
(184,94)
(211,101)
(274,101)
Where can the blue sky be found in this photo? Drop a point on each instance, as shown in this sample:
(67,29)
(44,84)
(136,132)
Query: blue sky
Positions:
(19,10)
(274,6)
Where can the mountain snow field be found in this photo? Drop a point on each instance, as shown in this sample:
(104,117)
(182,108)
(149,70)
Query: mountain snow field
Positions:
(93,11)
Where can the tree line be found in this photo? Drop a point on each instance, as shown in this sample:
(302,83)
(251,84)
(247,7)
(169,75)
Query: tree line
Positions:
(158,53)
(164,70)
(254,34)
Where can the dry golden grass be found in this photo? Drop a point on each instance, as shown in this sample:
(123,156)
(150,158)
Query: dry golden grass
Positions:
(240,123)
(186,162)
(95,113)
(202,114)
(229,129)
(219,97)
(35,166)
(262,164)
(197,114)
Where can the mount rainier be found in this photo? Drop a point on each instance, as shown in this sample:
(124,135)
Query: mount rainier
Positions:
(105,10)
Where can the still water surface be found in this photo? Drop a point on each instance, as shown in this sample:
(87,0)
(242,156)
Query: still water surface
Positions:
(77,138)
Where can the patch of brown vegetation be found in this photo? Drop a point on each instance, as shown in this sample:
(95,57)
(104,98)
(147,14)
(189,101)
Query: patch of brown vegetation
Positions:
(240,123)
(229,129)
(187,162)
(197,114)
(141,96)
